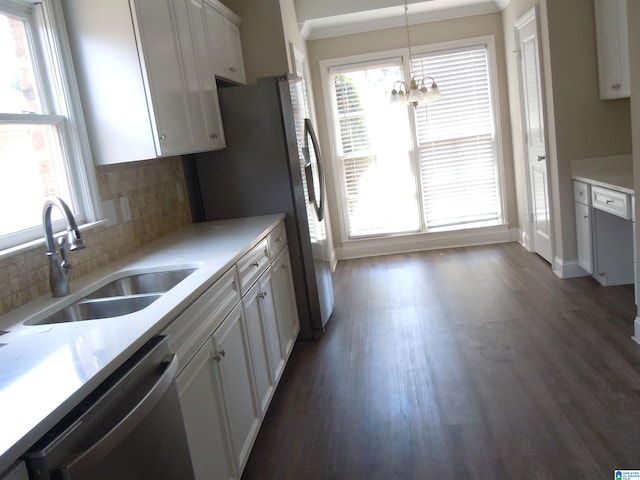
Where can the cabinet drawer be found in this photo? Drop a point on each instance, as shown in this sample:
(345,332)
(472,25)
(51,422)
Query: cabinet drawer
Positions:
(581,193)
(252,265)
(277,240)
(611,201)
(189,331)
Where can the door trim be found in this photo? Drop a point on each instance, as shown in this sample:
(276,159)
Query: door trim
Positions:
(528,237)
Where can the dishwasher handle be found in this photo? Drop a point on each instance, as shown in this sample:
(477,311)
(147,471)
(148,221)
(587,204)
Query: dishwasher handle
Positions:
(93,455)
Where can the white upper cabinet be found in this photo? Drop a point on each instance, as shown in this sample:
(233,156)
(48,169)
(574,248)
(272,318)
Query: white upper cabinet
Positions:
(222,25)
(142,78)
(613,48)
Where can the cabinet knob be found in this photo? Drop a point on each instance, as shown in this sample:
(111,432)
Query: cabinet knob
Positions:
(586,216)
(255,264)
(213,136)
(163,137)
(217,357)
(580,194)
(232,69)
(285,265)
(609,201)
(262,295)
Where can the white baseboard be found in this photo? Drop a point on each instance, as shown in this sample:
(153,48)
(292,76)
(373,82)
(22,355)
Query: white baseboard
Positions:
(426,241)
(568,269)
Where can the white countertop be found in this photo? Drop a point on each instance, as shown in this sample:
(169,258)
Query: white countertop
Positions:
(614,172)
(48,369)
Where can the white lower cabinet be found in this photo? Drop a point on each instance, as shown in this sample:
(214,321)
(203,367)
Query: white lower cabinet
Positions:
(234,362)
(286,309)
(200,388)
(584,236)
(232,344)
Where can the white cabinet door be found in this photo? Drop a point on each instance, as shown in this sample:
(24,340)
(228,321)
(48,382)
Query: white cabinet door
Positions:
(222,26)
(205,417)
(286,309)
(259,348)
(202,91)
(268,303)
(583,234)
(234,361)
(164,71)
(140,77)
(612,48)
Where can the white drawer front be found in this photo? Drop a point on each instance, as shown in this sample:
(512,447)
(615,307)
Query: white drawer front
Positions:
(611,201)
(253,264)
(581,193)
(197,323)
(277,240)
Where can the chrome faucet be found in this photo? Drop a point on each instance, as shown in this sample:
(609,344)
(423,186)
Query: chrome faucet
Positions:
(59,265)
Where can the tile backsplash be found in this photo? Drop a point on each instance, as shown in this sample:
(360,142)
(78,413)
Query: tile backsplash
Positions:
(156,195)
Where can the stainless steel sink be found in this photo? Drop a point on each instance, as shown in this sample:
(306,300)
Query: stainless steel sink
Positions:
(98,308)
(156,282)
(122,296)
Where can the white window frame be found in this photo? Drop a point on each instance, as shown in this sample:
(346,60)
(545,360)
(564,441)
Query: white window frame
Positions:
(61,101)
(329,100)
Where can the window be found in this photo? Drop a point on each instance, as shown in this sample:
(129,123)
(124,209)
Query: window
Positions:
(42,151)
(407,170)
(374,148)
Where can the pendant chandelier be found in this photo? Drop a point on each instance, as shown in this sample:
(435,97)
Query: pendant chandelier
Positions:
(416,91)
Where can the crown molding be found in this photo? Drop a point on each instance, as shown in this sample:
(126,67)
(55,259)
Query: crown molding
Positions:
(393,17)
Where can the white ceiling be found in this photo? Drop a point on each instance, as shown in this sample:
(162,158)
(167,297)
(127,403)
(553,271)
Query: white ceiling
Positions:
(328,18)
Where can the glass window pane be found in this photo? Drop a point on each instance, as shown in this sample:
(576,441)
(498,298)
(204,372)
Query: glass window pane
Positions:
(375,145)
(31,154)
(18,86)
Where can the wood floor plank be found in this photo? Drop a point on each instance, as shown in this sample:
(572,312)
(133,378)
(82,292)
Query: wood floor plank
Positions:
(471,363)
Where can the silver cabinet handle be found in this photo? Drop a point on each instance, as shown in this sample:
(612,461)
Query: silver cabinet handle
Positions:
(541,158)
(218,356)
(262,295)
(88,459)
(609,201)
(256,264)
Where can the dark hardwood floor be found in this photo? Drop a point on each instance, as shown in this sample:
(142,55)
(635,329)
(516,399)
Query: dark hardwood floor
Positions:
(470,363)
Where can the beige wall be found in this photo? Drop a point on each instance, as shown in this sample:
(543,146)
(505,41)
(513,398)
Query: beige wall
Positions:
(156,209)
(395,38)
(264,45)
(579,124)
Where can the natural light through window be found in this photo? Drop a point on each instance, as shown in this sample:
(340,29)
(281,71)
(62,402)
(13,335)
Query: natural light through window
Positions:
(375,152)
(39,144)
(407,170)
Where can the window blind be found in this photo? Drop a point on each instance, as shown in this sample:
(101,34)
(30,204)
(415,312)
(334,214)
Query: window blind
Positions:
(456,141)
(373,145)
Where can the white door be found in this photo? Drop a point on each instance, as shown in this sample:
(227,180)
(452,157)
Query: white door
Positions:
(539,221)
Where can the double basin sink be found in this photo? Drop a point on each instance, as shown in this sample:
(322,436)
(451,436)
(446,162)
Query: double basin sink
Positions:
(127,294)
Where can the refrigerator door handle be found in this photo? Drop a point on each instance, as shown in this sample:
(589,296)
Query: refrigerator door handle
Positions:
(317,198)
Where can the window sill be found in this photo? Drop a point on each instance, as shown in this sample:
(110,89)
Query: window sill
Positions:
(39,242)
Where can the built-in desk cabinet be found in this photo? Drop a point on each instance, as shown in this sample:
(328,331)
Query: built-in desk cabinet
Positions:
(582,198)
(232,349)
(604,232)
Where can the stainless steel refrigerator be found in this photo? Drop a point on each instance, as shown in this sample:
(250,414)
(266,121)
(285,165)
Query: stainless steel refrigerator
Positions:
(271,164)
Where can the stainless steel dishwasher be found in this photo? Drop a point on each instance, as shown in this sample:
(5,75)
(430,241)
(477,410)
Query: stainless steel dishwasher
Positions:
(129,428)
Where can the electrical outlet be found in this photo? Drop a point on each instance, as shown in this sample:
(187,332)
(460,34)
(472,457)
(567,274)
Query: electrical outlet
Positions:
(180,192)
(124,207)
(109,213)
